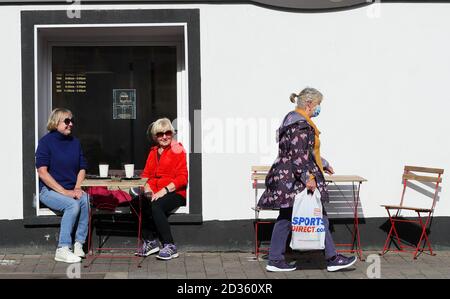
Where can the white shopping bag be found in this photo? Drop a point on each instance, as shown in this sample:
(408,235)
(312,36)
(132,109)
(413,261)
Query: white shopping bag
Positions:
(308,231)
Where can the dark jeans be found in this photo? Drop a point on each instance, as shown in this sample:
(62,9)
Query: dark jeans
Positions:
(155,216)
(281,232)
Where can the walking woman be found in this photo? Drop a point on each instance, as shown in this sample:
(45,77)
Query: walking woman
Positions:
(298,166)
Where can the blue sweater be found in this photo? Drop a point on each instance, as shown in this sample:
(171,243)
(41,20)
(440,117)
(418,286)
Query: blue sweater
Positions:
(63,156)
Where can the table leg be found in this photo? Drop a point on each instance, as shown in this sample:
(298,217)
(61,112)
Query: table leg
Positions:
(90,227)
(356,222)
(89,258)
(140,228)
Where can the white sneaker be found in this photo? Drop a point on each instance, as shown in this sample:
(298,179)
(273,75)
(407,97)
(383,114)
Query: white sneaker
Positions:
(78,250)
(64,254)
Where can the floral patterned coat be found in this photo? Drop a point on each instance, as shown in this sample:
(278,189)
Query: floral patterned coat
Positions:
(295,162)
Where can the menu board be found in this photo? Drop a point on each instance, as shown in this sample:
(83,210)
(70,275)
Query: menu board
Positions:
(70,83)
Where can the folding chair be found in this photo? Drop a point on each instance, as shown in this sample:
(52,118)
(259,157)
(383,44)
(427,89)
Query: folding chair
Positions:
(258,177)
(433,178)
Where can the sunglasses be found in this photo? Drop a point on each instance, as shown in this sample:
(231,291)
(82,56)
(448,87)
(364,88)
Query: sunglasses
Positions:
(67,121)
(167,133)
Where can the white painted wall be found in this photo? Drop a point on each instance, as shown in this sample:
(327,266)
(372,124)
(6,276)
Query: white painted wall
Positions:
(11,199)
(384,81)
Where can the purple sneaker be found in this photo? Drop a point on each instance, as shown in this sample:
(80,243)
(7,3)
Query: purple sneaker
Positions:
(169,251)
(340,262)
(280,266)
(148,247)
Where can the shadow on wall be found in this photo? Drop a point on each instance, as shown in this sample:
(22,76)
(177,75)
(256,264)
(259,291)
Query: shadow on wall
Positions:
(342,202)
(423,191)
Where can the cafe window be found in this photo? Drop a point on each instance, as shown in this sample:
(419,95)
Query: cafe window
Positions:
(114,93)
(114,90)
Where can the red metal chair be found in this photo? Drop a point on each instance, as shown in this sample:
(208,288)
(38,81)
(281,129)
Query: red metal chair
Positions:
(432,179)
(258,177)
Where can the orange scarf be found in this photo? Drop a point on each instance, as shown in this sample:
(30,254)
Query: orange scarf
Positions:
(316,137)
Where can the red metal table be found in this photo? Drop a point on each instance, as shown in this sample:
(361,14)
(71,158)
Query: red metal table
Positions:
(123,184)
(356,182)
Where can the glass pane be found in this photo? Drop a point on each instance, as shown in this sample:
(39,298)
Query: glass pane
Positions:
(140,80)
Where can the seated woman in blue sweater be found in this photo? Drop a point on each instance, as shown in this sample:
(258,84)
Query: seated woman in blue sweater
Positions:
(61,168)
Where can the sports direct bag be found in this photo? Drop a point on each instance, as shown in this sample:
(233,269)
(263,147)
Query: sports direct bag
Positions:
(308,231)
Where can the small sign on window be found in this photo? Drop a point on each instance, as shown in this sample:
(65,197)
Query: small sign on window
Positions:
(124,103)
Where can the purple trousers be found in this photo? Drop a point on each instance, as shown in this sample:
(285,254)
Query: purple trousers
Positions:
(281,232)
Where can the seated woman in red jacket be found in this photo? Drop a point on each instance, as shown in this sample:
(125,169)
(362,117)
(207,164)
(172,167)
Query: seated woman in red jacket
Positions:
(165,189)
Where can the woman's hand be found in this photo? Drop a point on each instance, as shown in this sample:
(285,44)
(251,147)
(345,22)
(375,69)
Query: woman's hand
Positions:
(78,193)
(159,194)
(147,188)
(69,193)
(311,184)
(329,170)
(148,194)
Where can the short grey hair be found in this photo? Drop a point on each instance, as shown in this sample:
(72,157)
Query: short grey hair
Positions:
(307,95)
(160,126)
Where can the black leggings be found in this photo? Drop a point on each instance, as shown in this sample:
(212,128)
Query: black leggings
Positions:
(155,216)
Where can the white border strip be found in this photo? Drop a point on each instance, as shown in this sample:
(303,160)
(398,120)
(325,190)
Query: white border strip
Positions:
(111,25)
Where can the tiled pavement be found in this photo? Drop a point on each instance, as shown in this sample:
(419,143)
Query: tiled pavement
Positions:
(225,265)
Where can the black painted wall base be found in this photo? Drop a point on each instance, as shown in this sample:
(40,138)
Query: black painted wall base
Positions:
(236,235)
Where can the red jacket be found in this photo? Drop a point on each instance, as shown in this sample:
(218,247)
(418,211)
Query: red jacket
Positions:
(171,168)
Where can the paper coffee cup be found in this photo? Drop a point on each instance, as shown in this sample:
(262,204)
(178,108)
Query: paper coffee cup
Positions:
(103,170)
(129,170)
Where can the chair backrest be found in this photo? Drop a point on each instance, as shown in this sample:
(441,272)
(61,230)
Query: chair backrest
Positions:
(258,177)
(423,175)
(259,173)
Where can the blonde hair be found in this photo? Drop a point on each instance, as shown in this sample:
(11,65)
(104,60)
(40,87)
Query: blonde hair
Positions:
(307,95)
(55,117)
(159,126)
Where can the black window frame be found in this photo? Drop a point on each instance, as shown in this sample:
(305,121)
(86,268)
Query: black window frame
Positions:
(31,18)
